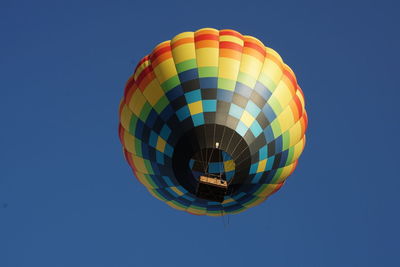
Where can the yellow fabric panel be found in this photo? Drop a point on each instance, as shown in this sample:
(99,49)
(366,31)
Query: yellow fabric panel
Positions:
(231,38)
(196,210)
(295,133)
(229,200)
(153,92)
(272,70)
(137,102)
(266,190)
(275,54)
(228,68)
(160,144)
(207,57)
(139,164)
(301,98)
(182,35)
(229,165)
(286,119)
(251,66)
(129,142)
(247,119)
(165,70)
(285,172)
(283,94)
(261,165)
(125,117)
(183,51)
(140,68)
(298,148)
(176,190)
(195,107)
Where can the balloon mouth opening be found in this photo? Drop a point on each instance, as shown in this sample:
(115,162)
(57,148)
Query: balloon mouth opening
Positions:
(214,155)
(212,162)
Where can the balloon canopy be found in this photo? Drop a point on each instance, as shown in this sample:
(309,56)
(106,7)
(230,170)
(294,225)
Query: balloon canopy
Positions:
(212,122)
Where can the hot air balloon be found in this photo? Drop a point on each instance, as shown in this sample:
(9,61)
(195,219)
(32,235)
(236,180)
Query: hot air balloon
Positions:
(212,122)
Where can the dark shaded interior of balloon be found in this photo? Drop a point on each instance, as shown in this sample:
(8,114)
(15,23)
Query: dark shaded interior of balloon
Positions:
(212,162)
(198,146)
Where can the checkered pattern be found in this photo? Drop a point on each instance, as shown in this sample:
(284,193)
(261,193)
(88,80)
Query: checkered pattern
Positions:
(212,77)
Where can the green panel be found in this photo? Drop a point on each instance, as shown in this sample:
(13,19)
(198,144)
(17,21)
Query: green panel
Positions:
(148,166)
(170,83)
(285,140)
(276,107)
(186,65)
(246,79)
(226,84)
(138,147)
(161,104)
(132,124)
(208,72)
(267,82)
(145,112)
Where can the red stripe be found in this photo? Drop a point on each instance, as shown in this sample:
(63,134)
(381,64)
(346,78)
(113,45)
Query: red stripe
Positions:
(298,105)
(290,76)
(231,45)
(255,47)
(141,62)
(202,37)
(155,54)
(143,74)
(231,32)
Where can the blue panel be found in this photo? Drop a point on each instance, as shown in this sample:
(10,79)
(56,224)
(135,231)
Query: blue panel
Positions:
(209,105)
(214,167)
(269,135)
(183,113)
(188,75)
(183,190)
(253,109)
(270,163)
(167,113)
(174,93)
(278,144)
(262,91)
(243,90)
(263,153)
(152,118)
(153,139)
(160,157)
(165,132)
(241,128)
(193,96)
(139,129)
(256,129)
(209,82)
(172,192)
(235,111)
(168,150)
(253,168)
(224,95)
(198,119)
(257,178)
(269,113)
(168,181)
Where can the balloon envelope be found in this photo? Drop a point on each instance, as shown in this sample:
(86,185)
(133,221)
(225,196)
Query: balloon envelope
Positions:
(212,104)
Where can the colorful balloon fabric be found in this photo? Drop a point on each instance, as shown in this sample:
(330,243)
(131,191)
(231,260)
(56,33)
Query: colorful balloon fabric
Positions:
(215,96)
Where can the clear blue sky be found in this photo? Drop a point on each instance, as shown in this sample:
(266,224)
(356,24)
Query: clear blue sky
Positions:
(68,198)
